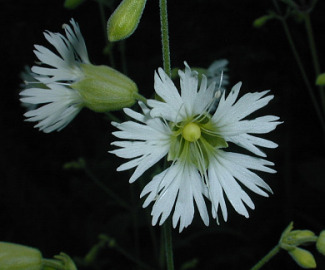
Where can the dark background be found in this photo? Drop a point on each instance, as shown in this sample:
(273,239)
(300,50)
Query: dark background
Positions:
(44,206)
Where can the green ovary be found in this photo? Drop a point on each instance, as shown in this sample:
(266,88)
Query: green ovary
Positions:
(191,132)
(194,141)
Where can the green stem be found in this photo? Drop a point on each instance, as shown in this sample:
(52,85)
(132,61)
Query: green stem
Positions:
(139,97)
(165,36)
(112,117)
(314,55)
(103,19)
(266,258)
(104,25)
(311,41)
(304,75)
(167,235)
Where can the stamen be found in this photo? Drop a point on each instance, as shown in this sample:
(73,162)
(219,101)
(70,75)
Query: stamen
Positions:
(217,93)
(178,113)
(201,161)
(28,82)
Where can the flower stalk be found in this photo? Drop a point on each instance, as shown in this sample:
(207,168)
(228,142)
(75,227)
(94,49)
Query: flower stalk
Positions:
(168,245)
(167,234)
(303,73)
(314,55)
(319,113)
(267,257)
(165,36)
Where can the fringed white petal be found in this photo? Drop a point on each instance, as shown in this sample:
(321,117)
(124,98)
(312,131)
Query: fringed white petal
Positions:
(61,105)
(179,185)
(71,53)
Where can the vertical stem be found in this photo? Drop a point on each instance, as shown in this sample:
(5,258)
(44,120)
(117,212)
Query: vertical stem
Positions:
(165,36)
(104,25)
(311,41)
(167,235)
(314,55)
(266,258)
(103,19)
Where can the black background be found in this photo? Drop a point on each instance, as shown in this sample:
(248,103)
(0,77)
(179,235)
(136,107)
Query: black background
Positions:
(44,206)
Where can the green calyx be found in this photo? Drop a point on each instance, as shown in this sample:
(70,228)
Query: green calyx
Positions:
(194,141)
(17,257)
(105,89)
(292,238)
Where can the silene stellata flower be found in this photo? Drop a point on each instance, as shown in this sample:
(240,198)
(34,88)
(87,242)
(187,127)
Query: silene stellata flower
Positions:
(194,140)
(63,82)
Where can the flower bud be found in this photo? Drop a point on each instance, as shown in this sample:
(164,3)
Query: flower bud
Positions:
(320,244)
(18,257)
(72,4)
(125,19)
(105,89)
(298,237)
(259,22)
(303,258)
(292,238)
(320,79)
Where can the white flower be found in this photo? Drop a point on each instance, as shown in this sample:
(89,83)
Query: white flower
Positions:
(63,84)
(55,104)
(194,141)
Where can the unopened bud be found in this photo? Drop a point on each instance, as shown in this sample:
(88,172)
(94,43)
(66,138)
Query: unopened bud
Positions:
(303,258)
(320,79)
(259,22)
(105,89)
(18,257)
(125,19)
(320,244)
(71,4)
(298,237)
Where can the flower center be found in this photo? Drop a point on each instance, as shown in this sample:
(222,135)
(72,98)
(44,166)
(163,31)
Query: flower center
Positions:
(191,132)
(194,141)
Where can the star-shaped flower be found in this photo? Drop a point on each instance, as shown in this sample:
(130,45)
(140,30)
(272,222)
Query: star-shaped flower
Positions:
(194,140)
